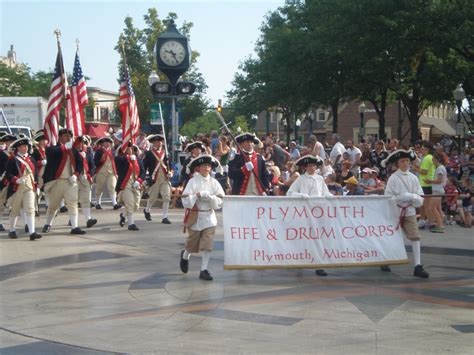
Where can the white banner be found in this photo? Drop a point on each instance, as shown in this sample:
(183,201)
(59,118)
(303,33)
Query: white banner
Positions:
(294,232)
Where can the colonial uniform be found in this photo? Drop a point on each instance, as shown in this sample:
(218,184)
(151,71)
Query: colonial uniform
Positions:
(39,155)
(131,175)
(105,173)
(406,189)
(307,185)
(248,171)
(200,217)
(63,167)
(194,149)
(5,138)
(85,179)
(21,171)
(156,164)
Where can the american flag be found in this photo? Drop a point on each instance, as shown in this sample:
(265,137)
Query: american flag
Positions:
(77,100)
(128,106)
(57,92)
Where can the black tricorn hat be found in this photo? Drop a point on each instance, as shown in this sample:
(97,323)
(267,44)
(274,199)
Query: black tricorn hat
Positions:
(155,137)
(64,131)
(21,141)
(247,137)
(193,145)
(39,135)
(8,137)
(103,140)
(309,159)
(203,159)
(398,154)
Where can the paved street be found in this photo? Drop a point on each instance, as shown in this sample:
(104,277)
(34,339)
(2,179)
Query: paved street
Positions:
(115,291)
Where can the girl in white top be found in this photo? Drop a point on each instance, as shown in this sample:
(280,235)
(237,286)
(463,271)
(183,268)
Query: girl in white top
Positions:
(439,182)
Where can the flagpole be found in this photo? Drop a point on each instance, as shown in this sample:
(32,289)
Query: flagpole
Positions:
(164,137)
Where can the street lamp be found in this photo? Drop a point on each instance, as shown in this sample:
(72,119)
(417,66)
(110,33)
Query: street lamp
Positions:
(297,128)
(361,113)
(459,95)
(239,130)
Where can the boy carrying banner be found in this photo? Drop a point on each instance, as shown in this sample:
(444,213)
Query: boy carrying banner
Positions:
(202,195)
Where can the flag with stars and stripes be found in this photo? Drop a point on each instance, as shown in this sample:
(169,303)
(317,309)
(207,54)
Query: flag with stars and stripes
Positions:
(57,92)
(76,101)
(128,107)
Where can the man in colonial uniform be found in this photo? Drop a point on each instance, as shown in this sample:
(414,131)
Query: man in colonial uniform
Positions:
(106,172)
(6,139)
(20,172)
(63,167)
(407,191)
(194,150)
(156,163)
(310,184)
(129,183)
(202,195)
(39,155)
(85,178)
(247,169)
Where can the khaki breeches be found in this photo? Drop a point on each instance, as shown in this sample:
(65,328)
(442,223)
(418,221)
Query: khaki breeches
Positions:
(84,193)
(160,187)
(130,197)
(410,227)
(59,189)
(105,180)
(200,240)
(22,199)
(3,198)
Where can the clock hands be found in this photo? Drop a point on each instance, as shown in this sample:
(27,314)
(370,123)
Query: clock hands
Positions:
(173,54)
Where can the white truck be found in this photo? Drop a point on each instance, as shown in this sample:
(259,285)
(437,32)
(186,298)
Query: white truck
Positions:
(23,113)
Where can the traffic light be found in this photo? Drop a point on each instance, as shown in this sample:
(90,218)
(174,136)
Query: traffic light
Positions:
(219,105)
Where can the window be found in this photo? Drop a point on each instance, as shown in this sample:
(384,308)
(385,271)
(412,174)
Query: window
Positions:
(104,114)
(321,117)
(89,113)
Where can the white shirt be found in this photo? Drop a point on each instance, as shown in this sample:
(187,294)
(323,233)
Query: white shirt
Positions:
(311,185)
(337,149)
(402,182)
(353,152)
(322,152)
(206,218)
(439,188)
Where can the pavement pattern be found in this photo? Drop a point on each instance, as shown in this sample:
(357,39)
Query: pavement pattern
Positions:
(117,291)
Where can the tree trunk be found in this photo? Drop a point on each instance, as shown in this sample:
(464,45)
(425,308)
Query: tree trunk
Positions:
(414,131)
(334,109)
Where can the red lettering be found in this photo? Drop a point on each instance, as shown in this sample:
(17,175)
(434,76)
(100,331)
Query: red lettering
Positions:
(364,231)
(260,212)
(344,208)
(344,232)
(319,209)
(255,234)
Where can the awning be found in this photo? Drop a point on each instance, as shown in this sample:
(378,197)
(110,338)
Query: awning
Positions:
(97,130)
(439,126)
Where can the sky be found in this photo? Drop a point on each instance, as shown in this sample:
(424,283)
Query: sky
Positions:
(224,34)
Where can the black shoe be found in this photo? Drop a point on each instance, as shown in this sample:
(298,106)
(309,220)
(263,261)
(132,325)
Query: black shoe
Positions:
(165,221)
(77,231)
(183,263)
(385,268)
(63,209)
(321,272)
(205,275)
(420,272)
(147,215)
(145,196)
(2,228)
(92,204)
(37,214)
(122,220)
(34,236)
(98,207)
(12,235)
(78,205)
(91,222)
(46,228)
(117,206)
(26,228)
(133,227)
(69,223)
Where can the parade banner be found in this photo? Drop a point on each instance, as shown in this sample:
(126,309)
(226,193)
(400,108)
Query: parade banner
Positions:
(315,232)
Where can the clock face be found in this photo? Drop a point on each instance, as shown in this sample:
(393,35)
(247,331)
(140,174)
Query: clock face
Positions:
(172,53)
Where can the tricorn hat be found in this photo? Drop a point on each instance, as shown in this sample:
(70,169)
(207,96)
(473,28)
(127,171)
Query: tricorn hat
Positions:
(155,137)
(247,137)
(196,144)
(203,159)
(64,131)
(103,140)
(21,141)
(7,137)
(39,135)
(309,159)
(398,154)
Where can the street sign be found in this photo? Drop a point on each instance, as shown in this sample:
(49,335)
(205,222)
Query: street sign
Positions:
(459,129)
(155,119)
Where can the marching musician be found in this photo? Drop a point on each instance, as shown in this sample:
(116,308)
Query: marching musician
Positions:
(5,139)
(406,189)
(131,175)
(202,195)
(247,169)
(20,172)
(39,155)
(156,163)
(85,178)
(63,167)
(106,172)
(310,184)
(194,150)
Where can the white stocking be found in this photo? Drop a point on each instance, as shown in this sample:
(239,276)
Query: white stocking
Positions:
(166,205)
(416,246)
(206,255)
(130,219)
(186,255)
(30,222)
(73,219)
(13,224)
(114,198)
(87,212)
